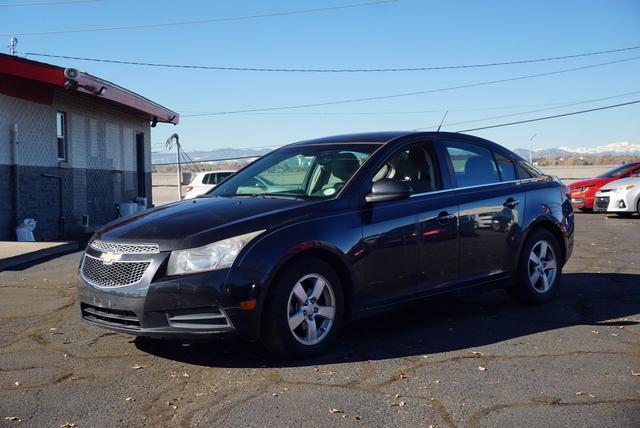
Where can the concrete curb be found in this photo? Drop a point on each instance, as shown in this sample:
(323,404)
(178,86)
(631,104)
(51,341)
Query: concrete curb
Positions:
(38,255)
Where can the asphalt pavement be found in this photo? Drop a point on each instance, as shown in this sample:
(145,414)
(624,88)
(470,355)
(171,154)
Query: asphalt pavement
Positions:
(474,360)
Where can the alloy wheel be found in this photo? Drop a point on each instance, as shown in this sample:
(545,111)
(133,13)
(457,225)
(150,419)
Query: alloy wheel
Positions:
(311,309)
(543,266)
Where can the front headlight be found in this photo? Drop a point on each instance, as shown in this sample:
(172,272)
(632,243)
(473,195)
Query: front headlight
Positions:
(217,255)
(584,189)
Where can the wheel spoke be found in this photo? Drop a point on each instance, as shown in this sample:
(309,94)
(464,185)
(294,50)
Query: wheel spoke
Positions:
(295,320)
(534,277)
(543,250)
(545,282)
(318,288)
(300,294)
(312,331)
(534,258)
(551,264)
(327,312)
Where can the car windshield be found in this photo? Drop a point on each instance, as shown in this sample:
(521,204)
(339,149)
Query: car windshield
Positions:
(314,171)
(614,172)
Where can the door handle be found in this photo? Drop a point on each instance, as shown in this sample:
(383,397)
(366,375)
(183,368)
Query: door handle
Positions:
(510,203)
(444,217)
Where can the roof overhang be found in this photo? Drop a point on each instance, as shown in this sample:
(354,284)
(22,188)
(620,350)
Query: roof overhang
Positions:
(86,85)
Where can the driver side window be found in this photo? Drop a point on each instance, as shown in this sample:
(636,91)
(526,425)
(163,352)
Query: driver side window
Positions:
(415,165)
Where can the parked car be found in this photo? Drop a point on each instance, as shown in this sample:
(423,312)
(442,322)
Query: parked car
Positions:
(621,197)
(205,181)
(583,192)
(365,222)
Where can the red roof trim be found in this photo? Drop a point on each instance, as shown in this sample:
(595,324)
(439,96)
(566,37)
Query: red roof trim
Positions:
(88,85)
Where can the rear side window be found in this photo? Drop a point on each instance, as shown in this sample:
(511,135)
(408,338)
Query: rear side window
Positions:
(208,179)
(222,176)
(472,165)
(506,167)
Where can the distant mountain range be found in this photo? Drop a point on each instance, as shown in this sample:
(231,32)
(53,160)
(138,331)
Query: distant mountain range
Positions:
(203,155)
(624,148)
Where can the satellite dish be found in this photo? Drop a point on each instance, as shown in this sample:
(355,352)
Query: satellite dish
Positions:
(71,73)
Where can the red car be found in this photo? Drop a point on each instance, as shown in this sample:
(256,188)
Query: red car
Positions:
(583,192)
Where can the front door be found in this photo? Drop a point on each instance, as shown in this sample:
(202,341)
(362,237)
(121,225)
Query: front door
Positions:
(140,174)
(409,244)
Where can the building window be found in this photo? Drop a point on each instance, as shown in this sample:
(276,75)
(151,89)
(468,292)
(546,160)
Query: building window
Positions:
(61,130)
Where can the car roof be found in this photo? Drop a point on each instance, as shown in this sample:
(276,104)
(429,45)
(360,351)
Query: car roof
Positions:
(388,136)
(217,170)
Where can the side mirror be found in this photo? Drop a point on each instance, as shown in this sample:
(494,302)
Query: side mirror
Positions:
(386,189)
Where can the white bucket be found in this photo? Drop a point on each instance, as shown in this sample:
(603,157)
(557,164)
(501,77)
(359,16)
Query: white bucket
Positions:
(128,208)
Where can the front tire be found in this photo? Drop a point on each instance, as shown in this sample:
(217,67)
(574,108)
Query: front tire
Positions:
(539,269)
(304,309)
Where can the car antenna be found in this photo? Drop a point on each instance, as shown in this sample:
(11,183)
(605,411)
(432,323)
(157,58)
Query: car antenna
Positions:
(442,121)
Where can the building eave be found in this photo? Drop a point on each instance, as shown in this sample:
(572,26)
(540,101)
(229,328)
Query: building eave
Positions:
(87,85)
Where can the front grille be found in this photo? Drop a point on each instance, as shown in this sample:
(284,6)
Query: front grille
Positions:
(107,316)
(605,190)
(123,248)
(116,274)
(601,203)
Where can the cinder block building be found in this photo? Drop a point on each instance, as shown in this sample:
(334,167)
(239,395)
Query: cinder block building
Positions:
(72,146)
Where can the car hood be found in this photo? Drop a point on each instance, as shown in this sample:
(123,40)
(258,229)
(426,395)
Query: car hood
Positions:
(196,222)
(587,182)
(621,182)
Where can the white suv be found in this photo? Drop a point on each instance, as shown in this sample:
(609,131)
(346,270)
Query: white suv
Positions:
(205,181)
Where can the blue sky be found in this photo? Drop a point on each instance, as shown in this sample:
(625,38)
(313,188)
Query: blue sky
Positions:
(407,33)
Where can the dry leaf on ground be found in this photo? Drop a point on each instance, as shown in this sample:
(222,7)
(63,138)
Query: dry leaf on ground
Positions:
(334,411)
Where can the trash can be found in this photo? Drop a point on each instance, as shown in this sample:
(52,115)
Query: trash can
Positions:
(128,208)
(24,231)
(142,203)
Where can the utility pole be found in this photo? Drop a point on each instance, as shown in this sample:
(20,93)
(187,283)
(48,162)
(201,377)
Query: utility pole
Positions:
(531,148)
(169,145)
(13,46)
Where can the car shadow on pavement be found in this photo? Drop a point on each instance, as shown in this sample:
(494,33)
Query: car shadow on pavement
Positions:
(438,325)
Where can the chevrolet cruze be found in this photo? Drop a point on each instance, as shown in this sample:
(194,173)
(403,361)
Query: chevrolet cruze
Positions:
(325,231)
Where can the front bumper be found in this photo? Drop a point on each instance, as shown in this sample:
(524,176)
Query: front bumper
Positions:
(613,202)
(581,201)
(188,307)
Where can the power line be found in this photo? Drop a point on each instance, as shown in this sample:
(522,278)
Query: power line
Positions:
(48,3)
(408,94)
(204,20)
(336,70)
(441,110)
(573,113)
(533,111)
(465,130)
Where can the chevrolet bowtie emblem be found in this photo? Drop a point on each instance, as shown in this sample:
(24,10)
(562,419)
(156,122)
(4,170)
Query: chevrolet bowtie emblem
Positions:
(109,257)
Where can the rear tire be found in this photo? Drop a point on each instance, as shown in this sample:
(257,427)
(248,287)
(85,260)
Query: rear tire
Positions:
(304,309)
(539,269)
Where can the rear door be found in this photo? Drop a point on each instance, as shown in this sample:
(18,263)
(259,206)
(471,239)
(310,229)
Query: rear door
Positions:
(491,209)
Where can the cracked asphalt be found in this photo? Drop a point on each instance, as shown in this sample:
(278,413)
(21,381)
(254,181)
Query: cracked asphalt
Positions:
(466,361)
